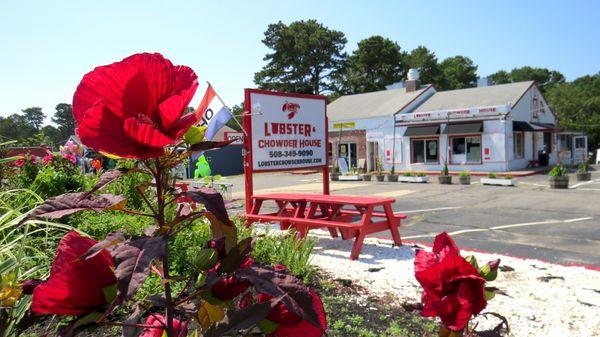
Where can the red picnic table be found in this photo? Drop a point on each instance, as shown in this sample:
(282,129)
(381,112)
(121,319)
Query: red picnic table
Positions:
(353,216)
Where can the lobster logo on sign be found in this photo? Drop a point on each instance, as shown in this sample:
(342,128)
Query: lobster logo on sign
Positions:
(290,108)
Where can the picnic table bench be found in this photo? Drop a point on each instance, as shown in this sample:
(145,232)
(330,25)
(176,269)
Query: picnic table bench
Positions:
(351,216)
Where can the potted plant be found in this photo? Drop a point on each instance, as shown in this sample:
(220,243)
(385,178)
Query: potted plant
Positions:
(392,176)
(412,177)
(367,176)
(465,178)
(493,179)
(583,173)
(445,177)
(380,176)
(558,177)
(335,174)
(351,175)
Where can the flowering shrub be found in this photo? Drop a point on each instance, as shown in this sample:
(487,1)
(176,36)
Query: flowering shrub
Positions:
(135,109)
(453,287)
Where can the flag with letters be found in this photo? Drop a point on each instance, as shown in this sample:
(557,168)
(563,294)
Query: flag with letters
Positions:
(212,113)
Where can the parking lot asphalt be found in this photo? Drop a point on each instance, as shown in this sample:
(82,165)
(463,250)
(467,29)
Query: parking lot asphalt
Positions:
(529,220)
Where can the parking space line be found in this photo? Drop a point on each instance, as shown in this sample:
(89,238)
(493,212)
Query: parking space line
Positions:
(464,231)
(585,183)
(428,210)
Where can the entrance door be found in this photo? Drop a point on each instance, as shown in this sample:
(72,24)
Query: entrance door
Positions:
(348,151)
(579,149)
(372,148)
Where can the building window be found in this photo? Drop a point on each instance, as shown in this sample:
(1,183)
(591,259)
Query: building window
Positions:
(580,143)
(466,150)
(519,145)
(425,151)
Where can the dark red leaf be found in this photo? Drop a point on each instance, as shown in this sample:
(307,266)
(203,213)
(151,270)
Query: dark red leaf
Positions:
(133,259)
(70,203)
(278,283)
(209,145)
(236,256)
(212,200)
(236,320)
(111,241)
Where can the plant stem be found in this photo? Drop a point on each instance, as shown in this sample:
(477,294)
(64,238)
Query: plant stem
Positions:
(161,179)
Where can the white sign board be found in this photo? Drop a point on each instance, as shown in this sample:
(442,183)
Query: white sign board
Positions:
(454,114)
(287,131)
(238,137)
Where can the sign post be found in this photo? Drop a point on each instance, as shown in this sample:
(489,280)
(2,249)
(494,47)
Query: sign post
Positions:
(284,132)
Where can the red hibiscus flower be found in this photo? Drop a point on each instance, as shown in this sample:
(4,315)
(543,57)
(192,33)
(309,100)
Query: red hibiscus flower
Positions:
(75,286)
(230,287)
(179,328)
(134,108)
(452,288)
(47,159)
(289,324)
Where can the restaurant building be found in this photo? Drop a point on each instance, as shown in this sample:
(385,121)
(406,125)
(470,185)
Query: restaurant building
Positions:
(494,128)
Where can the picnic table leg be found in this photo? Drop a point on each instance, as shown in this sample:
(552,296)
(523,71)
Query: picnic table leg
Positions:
(360,237)
(255,209)
(394,223)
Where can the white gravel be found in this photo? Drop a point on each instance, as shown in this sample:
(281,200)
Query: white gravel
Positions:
(567,305)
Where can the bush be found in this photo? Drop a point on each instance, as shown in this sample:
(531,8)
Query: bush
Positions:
(583,167)
(421,174)
(558,171)
(492,175)
(464,174)
(51,182)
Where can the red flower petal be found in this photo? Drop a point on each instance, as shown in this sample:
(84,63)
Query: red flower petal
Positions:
(179,328)
(305,329)
(94,134)
(75,286)
(443,244)
(145,134)
(145,88)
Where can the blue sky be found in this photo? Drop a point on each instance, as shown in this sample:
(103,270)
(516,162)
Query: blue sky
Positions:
(47,46)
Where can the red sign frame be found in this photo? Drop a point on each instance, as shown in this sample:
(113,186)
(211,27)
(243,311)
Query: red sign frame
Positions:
(247,127)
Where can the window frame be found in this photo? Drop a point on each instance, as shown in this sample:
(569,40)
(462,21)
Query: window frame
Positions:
(451,145)
(424,139)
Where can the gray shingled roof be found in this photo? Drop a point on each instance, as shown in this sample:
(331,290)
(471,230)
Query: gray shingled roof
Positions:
(475,97)
(371,104)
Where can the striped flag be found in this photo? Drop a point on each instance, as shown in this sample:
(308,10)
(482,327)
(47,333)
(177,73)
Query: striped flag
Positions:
(212,112)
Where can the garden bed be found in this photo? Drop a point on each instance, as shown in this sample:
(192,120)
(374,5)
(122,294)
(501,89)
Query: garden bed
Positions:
(541,299)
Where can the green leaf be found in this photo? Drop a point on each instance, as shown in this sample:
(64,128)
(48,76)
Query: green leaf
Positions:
(110,293)
(267,326)
(194,134)
(205,259)
(472,260)
(489,295)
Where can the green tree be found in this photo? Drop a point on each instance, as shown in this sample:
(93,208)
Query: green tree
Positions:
(544,77)
(304,57)
(54,135)
(500,77)
(577,106)
(457,72)
(425,60)
(376,62)
(15,127)
(34,117)
(63,118)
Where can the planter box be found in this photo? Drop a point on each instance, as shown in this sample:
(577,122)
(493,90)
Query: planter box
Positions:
(380,177)
(445,180)
(498,181)
(559,182)
(334,177)
(392,178)
(465,180)
(350,177)
(367,177)
(413,179)
(585,176)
